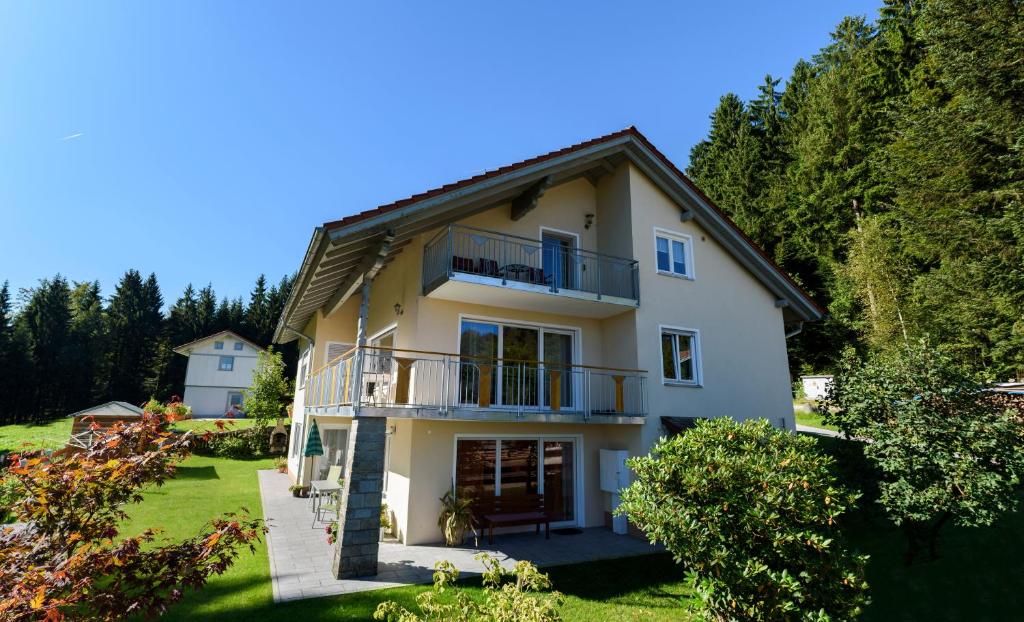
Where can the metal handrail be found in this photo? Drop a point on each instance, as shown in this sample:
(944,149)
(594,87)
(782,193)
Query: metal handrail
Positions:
(397,378)
(514,258)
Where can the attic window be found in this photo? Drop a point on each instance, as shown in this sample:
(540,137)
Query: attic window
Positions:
(218,345)
(239,345)
(673,254)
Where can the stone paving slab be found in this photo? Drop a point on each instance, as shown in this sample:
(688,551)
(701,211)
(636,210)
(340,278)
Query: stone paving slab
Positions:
(300,558)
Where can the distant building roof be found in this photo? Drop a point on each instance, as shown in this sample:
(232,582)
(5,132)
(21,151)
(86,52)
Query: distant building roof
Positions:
(184,348)
(110,409)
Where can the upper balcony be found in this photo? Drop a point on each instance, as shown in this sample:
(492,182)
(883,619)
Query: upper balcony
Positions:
(549,275)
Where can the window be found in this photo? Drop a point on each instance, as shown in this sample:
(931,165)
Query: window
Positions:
(335,349)
(524,363)
(680,356)
(227,363)
(303,366)
(218,345)
(296,438)
(510,467)
(234,401)
(672,253)
(239,346)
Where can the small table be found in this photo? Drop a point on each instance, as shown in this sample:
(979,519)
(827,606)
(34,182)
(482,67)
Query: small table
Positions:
(321,487)
(516,271)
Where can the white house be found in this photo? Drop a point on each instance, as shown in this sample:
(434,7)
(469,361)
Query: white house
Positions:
(815,387)
(220,368)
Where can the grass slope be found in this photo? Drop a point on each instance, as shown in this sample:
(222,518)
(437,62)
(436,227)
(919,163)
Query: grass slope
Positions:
(50,435)
(204,488)
(54,434)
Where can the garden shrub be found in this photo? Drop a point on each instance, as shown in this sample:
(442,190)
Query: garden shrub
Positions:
(947,451)
(514,595)
(71,561)
(753,514)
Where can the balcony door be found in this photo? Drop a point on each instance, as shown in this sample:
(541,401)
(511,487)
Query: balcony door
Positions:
(518,365)
(509,467)
(559,258)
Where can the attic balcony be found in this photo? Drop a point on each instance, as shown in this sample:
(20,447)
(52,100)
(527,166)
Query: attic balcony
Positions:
(389,382)
(467,264)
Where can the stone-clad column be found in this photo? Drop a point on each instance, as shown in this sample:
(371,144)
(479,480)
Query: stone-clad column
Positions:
(355,554)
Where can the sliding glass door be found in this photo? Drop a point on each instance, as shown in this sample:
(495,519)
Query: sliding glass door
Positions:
(518,365)
(517,467)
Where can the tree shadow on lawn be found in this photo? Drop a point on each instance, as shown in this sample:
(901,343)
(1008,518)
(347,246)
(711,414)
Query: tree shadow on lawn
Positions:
(202,472)
(977,576)
(650,582)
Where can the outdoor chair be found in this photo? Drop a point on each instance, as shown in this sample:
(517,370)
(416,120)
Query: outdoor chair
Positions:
(333,475)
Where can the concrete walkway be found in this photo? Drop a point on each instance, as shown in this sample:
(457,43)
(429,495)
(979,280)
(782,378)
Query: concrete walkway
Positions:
(819,431)
(300,558)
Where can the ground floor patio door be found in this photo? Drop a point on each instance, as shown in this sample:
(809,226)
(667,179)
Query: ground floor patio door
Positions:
(335,442)
(520,466)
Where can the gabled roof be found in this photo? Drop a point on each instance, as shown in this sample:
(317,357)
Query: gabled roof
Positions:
(339,247)
(184,348)
(110,409)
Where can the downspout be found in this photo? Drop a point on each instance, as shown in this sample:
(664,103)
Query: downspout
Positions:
(796,331)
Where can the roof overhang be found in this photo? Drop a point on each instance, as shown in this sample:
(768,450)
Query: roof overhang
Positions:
(185,348)
(338,249)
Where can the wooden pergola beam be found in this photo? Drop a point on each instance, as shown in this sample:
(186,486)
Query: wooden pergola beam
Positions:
(366,271)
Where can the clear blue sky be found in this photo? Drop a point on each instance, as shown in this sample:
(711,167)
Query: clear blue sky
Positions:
(203,141)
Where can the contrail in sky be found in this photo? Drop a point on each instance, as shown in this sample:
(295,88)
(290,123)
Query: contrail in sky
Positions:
(73,136)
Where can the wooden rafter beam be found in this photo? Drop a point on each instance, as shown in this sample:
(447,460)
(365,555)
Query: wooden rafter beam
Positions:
(525,202)
(367,270)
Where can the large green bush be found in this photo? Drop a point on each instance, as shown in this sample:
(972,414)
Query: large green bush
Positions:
(753,514)
(947,451)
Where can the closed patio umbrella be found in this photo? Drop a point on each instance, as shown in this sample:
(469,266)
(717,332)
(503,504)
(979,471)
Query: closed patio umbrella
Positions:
(314,447)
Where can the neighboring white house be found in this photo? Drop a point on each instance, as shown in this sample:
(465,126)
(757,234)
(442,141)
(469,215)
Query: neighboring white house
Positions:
(815,387)
(220,368)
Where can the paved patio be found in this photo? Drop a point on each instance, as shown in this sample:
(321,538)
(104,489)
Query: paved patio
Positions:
(300,558)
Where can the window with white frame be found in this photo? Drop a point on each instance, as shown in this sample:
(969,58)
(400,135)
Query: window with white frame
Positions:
(218,345)
(226,363)
(680,356)
(304,366)
(239,345)
(296,438)
(673,253)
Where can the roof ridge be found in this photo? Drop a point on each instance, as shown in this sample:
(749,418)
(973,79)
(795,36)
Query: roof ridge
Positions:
(501,170)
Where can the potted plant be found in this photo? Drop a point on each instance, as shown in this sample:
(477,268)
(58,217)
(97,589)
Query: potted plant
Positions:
(281,464)
(456,518)
(385,521)
(298,490)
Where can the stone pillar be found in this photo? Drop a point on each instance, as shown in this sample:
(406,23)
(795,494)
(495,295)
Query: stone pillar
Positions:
(355,554)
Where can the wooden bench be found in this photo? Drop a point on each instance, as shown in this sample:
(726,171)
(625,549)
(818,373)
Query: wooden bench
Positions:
(510,511)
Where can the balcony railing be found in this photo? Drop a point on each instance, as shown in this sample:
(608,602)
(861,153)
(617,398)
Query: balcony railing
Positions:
(393,378)
(513,259)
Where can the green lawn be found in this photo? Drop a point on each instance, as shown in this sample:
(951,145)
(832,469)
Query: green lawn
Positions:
(977,577)
(201,425)
(54,435)
(648,588)
(50,435)
(812,419)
